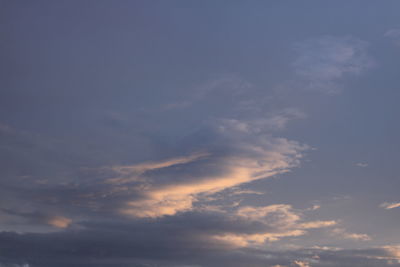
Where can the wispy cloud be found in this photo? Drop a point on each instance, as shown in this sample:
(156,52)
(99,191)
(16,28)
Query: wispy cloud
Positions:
(36,218)
(388,206)
(394,35)
(131,173)
(362,164)
(324,62)
(343,233)
(279,220)
(245,240)
(276,121)
(229,85)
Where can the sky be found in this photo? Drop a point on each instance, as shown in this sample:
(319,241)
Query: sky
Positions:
(199,133)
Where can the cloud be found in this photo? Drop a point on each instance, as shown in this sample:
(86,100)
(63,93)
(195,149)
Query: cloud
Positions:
(238,191)
(133,172)
(342,233)
(279,221)
(324,62)
(393,251)
(222,156)
(6,129)
(276,121)
(394,35)
(59,222)
(172,198)
(317,224)
(362,164)
(241,155)
(388,206)
(230,86)
(36,218)
(14,265)
(129,244)
(245,240)
(302,264)
(284,213)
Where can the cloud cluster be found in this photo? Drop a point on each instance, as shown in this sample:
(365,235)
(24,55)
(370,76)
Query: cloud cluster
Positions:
(238,152)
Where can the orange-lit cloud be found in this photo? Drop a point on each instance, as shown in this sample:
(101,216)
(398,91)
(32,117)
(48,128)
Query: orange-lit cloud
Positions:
(247,160)
(170,199)
(393,251)
(254,160)
(59,222)
(389,206)
(132,172)
(317,224)
(302,264)
(281,220)
(244,240)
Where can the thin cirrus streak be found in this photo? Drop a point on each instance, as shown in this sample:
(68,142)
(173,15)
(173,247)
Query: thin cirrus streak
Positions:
(389,206)
(131,173)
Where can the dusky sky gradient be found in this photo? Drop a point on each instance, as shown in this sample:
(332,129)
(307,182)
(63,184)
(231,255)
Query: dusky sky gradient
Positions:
(199,133)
